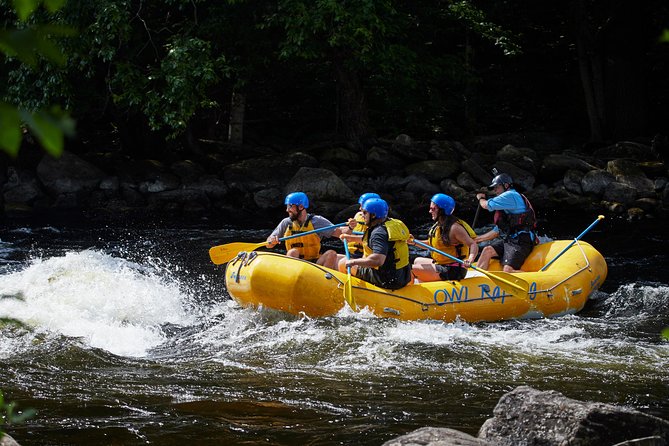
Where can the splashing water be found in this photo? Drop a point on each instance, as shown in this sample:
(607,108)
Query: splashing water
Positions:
(107,302)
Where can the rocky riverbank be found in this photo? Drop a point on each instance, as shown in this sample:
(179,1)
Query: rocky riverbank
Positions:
(240,185)
(526,416)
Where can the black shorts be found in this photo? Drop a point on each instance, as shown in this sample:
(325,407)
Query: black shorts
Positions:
(371,275)
(513,252)
(451,272)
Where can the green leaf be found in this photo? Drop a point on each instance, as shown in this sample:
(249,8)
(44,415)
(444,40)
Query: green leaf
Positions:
(50,129)
(25,7)
(665,333)
(665,36)
(10,129)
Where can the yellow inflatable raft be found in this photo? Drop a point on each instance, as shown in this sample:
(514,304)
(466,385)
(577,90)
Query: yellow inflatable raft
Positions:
(300,287)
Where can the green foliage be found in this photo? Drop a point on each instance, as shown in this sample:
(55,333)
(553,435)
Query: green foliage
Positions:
(29,45)
(9,415)
(665,36)
(665,333)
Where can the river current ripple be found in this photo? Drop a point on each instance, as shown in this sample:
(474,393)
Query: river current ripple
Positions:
(128,337)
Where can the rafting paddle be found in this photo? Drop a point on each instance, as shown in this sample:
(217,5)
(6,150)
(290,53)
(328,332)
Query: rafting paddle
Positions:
(592,225)
(500,276)
(224,253)
(348,287)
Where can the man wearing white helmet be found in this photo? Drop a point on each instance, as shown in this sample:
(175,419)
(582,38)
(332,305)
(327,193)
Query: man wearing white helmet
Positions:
(515,222)
(299,220)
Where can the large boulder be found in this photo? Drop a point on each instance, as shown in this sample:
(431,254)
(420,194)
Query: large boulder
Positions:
(21,187)
(555,165)
(68,174)
(436,436)
(320,185)
(434,170)
(629,173)
(595,182)
(522,157)
(526,416)
(260,173)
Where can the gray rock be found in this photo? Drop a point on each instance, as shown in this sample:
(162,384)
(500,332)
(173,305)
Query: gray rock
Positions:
(554,166)
(627,172)
(436,436)
(21,187)
(527,416)
(434,170)
(524,158)
(214,187)
(596,181)
(320,185)
(466,181)
(68,174)
(421,186)
(622,193)
(477,172)
(626,149)
(382,161)
(6,440)
(572,181)
(268,198)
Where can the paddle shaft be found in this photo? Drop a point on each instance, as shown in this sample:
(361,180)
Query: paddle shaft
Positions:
(592,225)
(313,231)
(439,251)
(476,216)
(348,288)
(482,271)
(224,253)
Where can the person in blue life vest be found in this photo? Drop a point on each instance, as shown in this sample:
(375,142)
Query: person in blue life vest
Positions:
(513,235)
(451,235)
(299,220)
(352,234)
(385,260)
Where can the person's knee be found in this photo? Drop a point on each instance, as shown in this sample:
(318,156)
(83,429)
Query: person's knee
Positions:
(488,251)
(293,253)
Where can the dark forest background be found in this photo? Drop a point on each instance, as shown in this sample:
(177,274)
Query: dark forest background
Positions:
(162,78)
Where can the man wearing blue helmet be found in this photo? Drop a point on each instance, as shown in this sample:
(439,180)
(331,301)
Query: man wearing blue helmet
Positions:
(385,262)
(451,235)
(299,220)
(352,235)
(513,236)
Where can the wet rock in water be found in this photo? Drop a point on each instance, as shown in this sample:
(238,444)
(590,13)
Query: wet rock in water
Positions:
(526,416)
(436,436)
(6,440)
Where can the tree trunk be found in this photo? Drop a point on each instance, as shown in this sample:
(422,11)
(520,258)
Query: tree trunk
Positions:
(611,45)
(352,110)
(590,68)
(236,125)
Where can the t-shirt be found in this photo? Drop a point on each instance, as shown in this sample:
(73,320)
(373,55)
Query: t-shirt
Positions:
(508,201)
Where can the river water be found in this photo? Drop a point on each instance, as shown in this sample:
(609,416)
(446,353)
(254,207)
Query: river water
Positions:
(130,338)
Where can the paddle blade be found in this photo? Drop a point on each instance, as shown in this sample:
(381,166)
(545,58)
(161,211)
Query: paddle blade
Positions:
(348,293)
(509,279)
(224,253)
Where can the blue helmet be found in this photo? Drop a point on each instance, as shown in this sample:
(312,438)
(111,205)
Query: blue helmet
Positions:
(297,198)
(366,196)
(376,206)
(444,202)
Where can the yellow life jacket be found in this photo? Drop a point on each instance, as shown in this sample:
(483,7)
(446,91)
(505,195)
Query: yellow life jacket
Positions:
(459,251)
(309,246)
(353,246)
(398,234)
